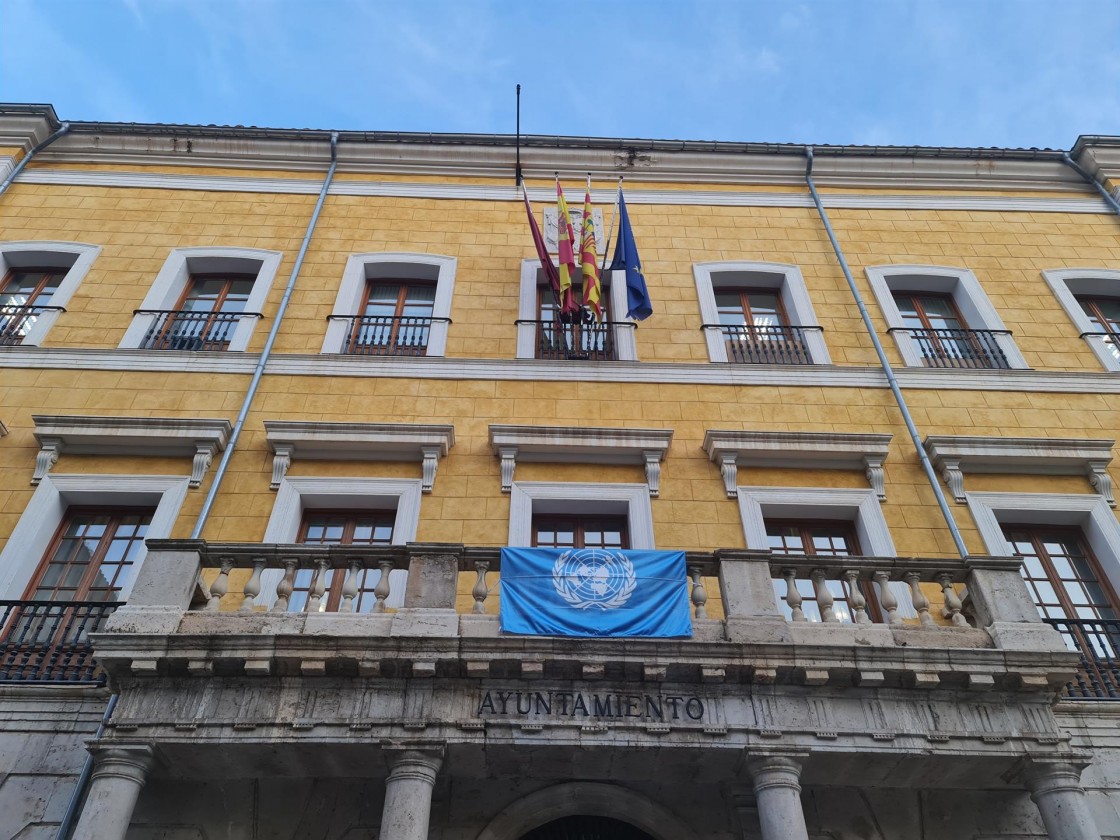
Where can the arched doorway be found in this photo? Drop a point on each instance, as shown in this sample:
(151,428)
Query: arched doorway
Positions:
(586,828)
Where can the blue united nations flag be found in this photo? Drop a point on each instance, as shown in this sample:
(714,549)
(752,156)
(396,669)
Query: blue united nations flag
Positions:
(594,592)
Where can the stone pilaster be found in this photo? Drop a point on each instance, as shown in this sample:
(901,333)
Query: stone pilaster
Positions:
(408,792)
(118,775)
(777,788)
(1055,787)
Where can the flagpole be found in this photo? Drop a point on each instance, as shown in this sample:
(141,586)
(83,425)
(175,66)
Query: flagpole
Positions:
(610,233)
(517,170)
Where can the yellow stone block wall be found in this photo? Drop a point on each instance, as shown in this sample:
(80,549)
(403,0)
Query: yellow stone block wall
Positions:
(137,228)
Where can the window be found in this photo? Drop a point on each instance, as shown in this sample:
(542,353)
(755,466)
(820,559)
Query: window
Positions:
(37,280)
(582,340)
(396,319)
(758,313)
(392,304)
(206,315)
(920,302)
(580,531)
(1061,572)
(352,527)
(204,299)
(93,556)
(24,296)
(619,511)
(1091,299)
(540,335)
(815,539)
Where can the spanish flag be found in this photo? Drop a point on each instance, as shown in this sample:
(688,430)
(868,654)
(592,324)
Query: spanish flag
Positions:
(566,257)
(589,258)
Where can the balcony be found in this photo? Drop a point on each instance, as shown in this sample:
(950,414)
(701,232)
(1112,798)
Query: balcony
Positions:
(16,321)
(384,335)
(47,642)
(180,329)
(1098,643)
(953,348)
(766,345)
(582,341)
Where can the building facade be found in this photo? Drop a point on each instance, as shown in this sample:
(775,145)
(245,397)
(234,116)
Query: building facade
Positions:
(272,401)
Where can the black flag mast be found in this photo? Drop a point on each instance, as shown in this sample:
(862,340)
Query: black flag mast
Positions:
(517,171)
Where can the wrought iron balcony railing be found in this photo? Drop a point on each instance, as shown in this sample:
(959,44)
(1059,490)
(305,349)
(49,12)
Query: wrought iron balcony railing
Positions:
(1098,642)
(48,641)
(582,341)
(976,349)
(385,335)
(180,329)
(16,321)
(765,345)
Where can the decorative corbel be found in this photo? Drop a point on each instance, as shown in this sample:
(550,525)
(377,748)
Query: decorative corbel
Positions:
(729,468)
(508,454)
(428,467)
(954,478)
(280,463)
(653,471)
(50,449)
(873,469)
(203,458)
(1097,471)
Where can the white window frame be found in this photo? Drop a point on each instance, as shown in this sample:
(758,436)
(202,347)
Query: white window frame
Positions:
(1067,283)
(782,278)
(361,268)
(299,494)
(960,283)
(1090,513)
(529,497)
(56,494)
(182,263)
(528,312)
(75,257)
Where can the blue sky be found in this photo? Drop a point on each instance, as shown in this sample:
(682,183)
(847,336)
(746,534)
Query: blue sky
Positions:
(923,72)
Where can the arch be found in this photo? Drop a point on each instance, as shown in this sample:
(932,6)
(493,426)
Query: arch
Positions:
(593,799)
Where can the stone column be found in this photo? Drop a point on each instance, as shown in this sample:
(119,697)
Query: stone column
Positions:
(1056,789)
(778,791)
(408,793)
(118,775)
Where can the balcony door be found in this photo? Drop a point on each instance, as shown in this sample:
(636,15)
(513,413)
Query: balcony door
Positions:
(756,328)
(345,527)
(816,538)
(396,319)
(206,316)
(942,335)
(1104,314)
(24,294)
(580,531)
(579,341)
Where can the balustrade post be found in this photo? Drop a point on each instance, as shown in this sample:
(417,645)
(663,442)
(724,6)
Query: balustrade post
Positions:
(824,596)
(751,611)
(220,586)
(777,789)
(163,590)
(430,592)
(793,596)
(318,585)
(919,599)
(953,606)
(887,599)
(699,594)
(1003,606)
(856,601)
(118,775)
(253,585)
(408,792)
(286,585)
(350,586)
(479,593)
(1055,787)
(382,589)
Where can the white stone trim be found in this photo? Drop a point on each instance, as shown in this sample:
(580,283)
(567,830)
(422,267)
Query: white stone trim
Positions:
(76,257)
(532,274)
(955,455)
(406,266)
(181,263)
(358,442)
(960,283)
(37,526)
(469,192)
(786,279)
(860,506)
(1067,283)
(527,497)
(200,439)
(805,450)
(1088,512)
(580,445)
(296,495)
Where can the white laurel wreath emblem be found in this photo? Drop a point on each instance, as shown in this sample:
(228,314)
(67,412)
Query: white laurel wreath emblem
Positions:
(569,584)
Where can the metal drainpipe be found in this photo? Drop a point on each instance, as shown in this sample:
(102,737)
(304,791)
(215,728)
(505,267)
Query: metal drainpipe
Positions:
(1105,194)
(223,465)
(63,129)
(886,365)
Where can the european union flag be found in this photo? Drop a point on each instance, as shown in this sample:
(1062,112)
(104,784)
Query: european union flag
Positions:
(626,259)
(602,592)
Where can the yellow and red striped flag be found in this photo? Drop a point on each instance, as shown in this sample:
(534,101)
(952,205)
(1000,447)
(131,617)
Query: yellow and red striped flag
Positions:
(566,256)
(589,258)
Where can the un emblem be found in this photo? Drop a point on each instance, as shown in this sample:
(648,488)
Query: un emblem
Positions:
(594,577)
